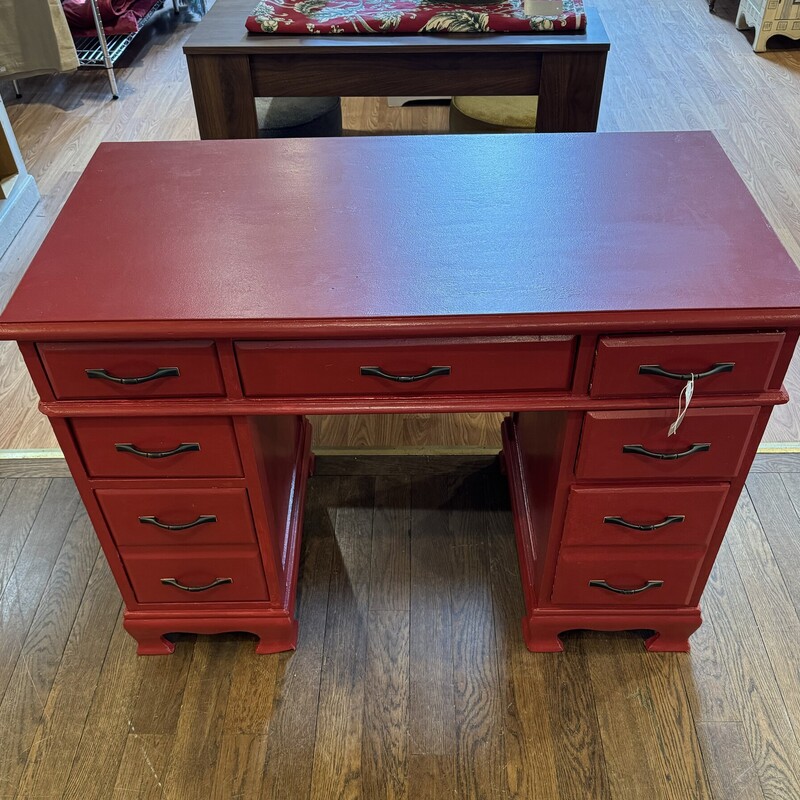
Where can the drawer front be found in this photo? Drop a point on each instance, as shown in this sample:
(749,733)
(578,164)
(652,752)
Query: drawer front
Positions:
(177,517)
(644,516)
(191,447)
(709,444)
(620,359)
(338,368)
(672,573)
(118,370)
(216,575)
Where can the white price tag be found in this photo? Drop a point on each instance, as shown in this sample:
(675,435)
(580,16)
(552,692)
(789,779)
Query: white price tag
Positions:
(684,398)
(543,8)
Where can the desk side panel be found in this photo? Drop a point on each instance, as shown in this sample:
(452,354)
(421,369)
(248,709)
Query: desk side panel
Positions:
(546,444)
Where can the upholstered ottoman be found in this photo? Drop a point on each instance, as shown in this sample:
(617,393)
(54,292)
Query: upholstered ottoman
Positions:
(287,117)
(493,114)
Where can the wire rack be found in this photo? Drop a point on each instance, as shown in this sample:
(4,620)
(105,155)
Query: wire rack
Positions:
(90,48)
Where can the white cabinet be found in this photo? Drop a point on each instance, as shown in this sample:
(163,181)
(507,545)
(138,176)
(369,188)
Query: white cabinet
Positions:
(769,18)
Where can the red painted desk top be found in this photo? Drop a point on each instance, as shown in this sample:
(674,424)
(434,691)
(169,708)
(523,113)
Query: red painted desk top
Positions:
(426,231)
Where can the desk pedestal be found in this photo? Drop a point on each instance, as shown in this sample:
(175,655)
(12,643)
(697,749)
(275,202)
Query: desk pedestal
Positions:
(598,553)
(166,572)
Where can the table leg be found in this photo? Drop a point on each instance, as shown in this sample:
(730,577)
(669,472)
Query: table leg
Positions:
(569,92)
(223,96)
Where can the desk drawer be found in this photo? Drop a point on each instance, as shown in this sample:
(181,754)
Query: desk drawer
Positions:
(472,365)
(165,447)
(743,363)
(629,569)
(132,369)
(177,517)
(208,575)
(608,515)
(709,444)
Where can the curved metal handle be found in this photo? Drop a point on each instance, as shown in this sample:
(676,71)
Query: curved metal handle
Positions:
(643,451)
(187,447)
(617,590)
(671,520)
(203,519)
(717,369)
(379,373)
(184,588)
(161,372)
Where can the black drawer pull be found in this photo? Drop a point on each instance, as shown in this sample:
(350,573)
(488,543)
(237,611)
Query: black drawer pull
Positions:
(617,590)
(379,373)
(717,369)
(187,447)
(162,372)
(643,451)
(184,588)
(203,519)
(671,520)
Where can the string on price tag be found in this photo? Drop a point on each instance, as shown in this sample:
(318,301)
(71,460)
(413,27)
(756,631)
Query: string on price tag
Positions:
(684,398)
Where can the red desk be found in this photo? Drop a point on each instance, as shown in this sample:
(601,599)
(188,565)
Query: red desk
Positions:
(538,274)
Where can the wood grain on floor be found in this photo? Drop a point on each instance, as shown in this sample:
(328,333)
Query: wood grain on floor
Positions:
(410,679)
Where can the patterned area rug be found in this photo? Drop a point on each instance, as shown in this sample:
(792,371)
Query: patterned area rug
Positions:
(302,17)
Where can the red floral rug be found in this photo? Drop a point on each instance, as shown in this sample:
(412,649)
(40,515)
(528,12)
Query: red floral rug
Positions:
(302,17)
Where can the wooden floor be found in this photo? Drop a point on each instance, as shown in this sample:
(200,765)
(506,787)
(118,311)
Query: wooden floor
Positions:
(672,66)
(410,679)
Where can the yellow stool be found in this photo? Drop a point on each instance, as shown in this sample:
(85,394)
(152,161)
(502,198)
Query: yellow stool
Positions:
(512,114)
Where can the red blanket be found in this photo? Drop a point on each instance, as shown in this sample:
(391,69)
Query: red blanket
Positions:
(301,17)
(118,16)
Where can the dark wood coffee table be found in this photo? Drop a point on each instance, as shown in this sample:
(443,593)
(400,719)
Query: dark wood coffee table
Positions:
(228,68)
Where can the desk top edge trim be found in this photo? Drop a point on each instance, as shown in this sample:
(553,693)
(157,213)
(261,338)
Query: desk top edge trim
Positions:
(575,323)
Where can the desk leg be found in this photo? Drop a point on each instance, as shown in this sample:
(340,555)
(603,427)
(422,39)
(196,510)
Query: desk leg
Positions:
(569,92)
(223,96)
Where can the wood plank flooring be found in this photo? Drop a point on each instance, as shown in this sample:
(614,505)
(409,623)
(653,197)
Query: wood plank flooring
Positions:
(410,679)
(672,66)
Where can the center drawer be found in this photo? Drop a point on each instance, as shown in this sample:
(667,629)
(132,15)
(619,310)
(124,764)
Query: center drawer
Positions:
(634,445)
(158,447)
(411,366)
(177,517)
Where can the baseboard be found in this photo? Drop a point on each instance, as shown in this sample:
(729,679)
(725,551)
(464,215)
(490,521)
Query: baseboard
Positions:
(773,448)
(33,464)
(51,463)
